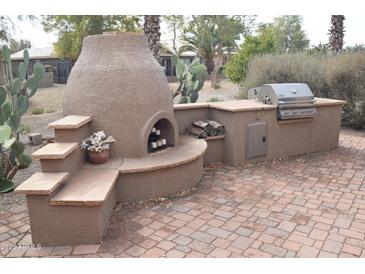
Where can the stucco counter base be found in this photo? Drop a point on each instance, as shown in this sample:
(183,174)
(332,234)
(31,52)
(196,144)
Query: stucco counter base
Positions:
(284,138)
(165,173)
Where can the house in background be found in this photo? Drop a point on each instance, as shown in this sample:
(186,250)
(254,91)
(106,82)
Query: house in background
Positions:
(61,67)
(165,61)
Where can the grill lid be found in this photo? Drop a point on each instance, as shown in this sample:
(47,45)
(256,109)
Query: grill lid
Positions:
(287,93)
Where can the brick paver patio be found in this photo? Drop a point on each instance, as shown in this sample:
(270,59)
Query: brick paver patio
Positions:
(307,206)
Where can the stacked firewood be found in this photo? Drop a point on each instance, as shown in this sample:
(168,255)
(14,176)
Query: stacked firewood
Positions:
(203,129)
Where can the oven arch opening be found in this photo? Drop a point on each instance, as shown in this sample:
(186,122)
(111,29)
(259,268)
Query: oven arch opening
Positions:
(161,136)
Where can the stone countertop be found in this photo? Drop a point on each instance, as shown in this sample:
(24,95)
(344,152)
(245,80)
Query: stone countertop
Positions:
(191,106)
(328,102)
(231,105)
(241,105)
(249,105)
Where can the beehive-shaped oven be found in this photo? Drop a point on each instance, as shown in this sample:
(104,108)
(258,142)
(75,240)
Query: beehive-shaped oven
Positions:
(121,85)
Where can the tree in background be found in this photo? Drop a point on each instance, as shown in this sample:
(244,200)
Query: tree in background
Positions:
(151,29)
(175,24)
(16,46)
(355,48)
(263,42)
(72,29)
(199,36)
(285,34)
(318,49)
(5,27)
(210,35)
(337,32)
(229,30)
(289,34)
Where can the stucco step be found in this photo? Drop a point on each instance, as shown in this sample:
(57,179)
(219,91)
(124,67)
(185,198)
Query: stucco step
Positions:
(188,150)
(70,122)
(55,151)
(42,183)
(88,187)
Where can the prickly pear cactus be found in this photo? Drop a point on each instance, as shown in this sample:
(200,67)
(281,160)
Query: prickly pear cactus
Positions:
(14,102)
(191,80)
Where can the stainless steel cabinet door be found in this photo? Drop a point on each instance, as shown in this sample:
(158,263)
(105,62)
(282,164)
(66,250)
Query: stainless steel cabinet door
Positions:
(256,140)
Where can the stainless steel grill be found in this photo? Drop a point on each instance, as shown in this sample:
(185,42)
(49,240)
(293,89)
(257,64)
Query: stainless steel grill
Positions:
(294,100)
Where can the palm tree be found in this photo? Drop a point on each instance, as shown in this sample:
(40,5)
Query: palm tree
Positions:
(336,33)
(209,36)
(151,29)
(200,36)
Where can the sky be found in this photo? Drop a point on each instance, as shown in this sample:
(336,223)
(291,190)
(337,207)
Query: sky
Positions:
(316,27)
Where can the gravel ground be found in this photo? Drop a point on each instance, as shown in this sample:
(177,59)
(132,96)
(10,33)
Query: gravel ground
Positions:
(38,123)
(12,200)
(51,99)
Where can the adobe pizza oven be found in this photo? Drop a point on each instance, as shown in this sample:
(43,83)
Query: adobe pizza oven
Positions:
(118,82)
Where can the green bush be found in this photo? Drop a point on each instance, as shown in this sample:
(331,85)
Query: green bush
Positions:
(214,99)
(38,111)
(236,68)
(339,76)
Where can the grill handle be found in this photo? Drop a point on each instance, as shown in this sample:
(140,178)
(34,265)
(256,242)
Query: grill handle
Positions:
(297,102)
(296,106)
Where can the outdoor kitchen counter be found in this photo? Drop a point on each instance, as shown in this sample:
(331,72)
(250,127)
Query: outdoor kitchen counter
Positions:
(249,105)
(282,137)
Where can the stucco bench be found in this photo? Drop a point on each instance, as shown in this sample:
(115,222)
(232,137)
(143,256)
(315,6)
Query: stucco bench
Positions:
(70,210)
(42,183)
(162,173)
(69,204)
(89,187)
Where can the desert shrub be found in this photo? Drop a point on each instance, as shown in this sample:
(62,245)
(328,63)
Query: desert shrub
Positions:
(345,76)
(38,111)
(340,77)
(286,68)
(214,99)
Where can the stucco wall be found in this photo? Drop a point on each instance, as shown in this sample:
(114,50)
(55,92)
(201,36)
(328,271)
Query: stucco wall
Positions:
(62,225)
(284,138)
(166,181)
(184,117)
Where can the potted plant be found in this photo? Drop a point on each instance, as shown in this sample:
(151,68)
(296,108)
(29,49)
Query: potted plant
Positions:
(98,146)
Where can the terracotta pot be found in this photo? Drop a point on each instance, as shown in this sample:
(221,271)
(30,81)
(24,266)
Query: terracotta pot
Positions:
(98,157)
